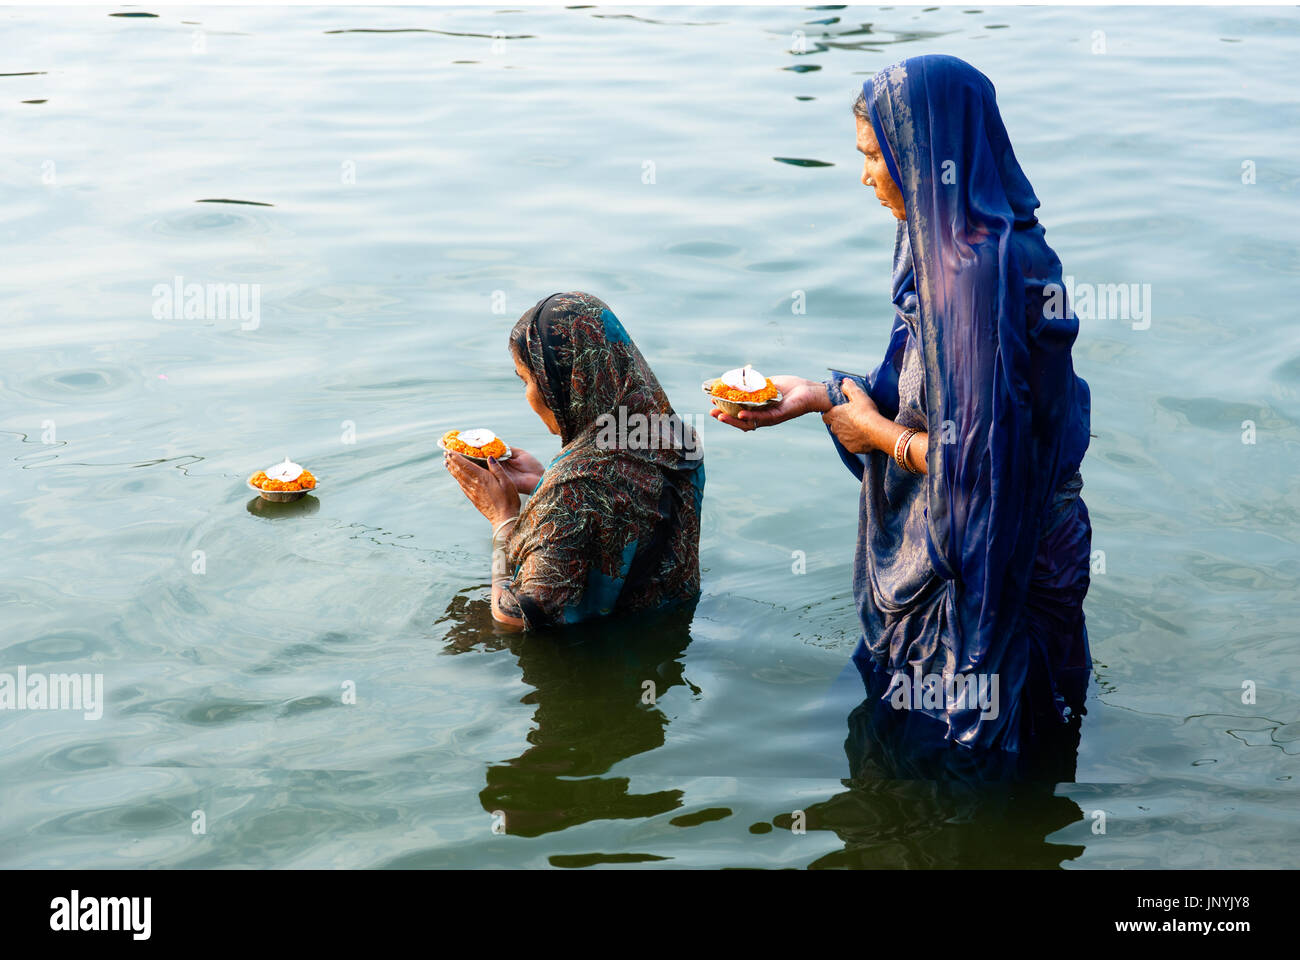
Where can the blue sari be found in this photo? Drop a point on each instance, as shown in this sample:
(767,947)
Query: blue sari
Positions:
(976,571)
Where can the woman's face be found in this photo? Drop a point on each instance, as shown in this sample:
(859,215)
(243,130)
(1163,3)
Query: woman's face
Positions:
(533,394)
(875,173)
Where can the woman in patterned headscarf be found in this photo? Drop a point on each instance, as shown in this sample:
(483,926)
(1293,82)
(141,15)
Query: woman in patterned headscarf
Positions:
(613,524)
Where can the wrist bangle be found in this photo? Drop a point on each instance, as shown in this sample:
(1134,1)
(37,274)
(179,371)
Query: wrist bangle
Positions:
(499,526)
(906,447)
(900,448)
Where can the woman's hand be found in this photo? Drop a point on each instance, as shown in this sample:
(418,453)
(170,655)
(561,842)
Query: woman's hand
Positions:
(856,424)
(798,396)
(524,470)
(491,491)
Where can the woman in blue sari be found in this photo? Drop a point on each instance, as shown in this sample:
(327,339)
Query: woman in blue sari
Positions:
(973,545)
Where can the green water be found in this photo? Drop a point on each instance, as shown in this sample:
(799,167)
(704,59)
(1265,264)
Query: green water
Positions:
(424,189)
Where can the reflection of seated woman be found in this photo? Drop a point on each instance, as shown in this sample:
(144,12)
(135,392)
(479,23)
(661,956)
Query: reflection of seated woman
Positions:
(613,524)
(588,693)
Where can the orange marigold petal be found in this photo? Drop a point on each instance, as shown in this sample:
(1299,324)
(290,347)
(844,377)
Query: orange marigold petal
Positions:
(724,392)
(496,448)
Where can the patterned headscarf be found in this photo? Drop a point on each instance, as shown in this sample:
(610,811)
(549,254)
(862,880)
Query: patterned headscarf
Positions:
(614,523)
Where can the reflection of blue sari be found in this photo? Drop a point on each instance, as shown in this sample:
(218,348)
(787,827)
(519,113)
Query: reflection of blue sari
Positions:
(979,568)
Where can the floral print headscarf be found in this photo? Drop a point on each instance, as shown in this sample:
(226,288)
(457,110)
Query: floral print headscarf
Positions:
(614,524)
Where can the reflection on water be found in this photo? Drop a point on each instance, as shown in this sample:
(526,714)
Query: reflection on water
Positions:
(270,509)
(915,801)
(594,695)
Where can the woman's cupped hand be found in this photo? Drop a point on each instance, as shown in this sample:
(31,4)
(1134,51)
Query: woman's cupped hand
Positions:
(490,489)
(798,396)
(524,469)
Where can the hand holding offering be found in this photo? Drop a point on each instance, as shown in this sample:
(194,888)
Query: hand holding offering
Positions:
(795,396)
(524,470)
(489,488)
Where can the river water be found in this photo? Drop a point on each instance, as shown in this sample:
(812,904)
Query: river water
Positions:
(412,180)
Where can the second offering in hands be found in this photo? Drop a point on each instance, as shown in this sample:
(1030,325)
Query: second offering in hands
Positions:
(478,445)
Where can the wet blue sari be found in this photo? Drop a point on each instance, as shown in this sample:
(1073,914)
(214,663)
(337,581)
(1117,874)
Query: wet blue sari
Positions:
(977,569)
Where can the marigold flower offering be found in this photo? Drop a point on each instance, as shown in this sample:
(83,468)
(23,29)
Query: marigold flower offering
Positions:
(474,443)
(286,476)
(744,384)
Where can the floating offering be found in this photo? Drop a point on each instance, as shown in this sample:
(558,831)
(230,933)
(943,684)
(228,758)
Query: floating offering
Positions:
(742,389)
(282,482)
(478,445)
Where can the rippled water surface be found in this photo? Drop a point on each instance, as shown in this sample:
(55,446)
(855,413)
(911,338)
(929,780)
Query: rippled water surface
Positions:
(414,179)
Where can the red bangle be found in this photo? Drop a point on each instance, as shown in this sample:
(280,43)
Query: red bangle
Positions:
(900,448)
(908,446)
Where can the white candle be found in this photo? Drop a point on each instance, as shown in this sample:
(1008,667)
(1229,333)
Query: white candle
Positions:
(286,471)
(745,378)
(476,438)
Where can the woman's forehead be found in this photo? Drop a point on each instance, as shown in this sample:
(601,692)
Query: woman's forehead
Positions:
(866,136)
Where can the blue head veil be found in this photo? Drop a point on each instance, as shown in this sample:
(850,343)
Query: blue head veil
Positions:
(1007,416)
